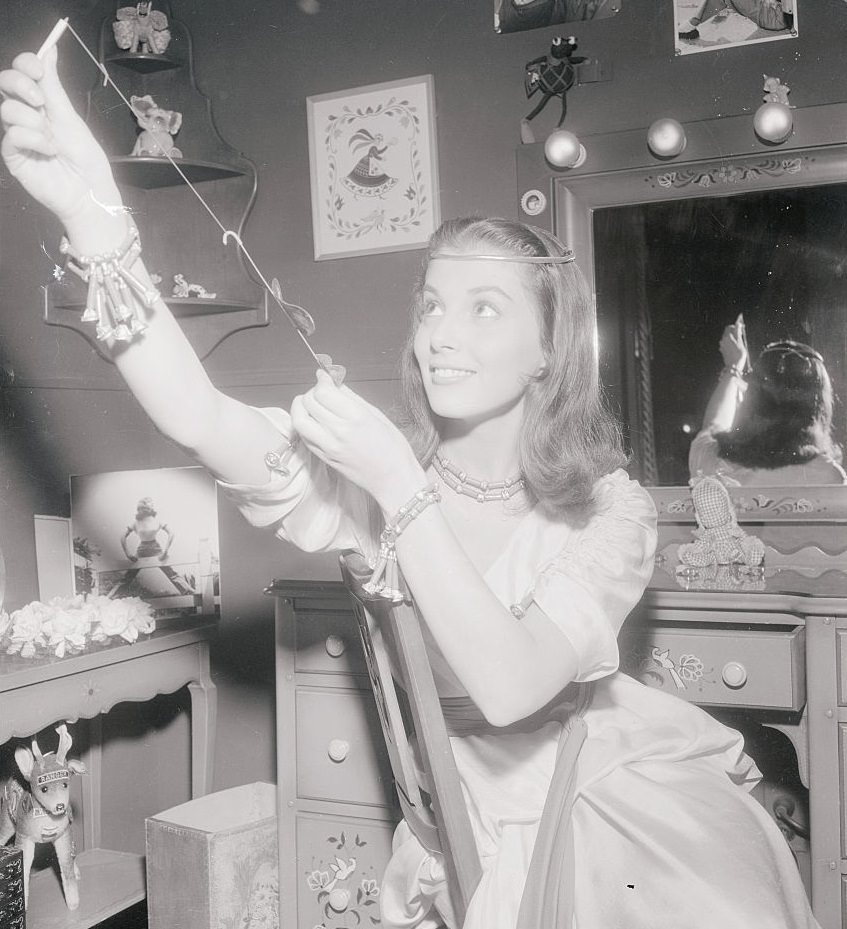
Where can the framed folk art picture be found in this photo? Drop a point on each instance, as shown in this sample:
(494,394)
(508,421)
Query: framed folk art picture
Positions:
(374,168)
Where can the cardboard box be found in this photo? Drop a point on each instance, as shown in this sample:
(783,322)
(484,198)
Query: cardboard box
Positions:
(12,908)
(212,862)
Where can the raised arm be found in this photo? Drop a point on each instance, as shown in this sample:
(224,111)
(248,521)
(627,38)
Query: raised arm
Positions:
(730,388)
(50,150)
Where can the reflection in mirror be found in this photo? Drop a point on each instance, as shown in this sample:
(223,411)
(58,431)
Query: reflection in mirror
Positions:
(671,275)
(517,15)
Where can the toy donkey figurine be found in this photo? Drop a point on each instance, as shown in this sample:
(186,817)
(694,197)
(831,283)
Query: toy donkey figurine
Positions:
(42,813)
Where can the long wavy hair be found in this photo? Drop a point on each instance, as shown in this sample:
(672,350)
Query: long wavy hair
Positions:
(786,415)
(568,437)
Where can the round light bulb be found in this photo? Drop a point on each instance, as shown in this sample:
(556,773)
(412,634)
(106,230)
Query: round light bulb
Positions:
(666,138)
(563,149)
(773,122)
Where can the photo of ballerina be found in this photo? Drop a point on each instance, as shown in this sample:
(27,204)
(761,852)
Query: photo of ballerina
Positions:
(149,534)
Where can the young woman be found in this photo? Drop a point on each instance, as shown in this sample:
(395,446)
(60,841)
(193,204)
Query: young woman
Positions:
(773,428)
(524,562)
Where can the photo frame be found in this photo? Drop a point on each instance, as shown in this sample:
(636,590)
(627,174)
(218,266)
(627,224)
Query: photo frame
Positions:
(151,534)
(374,168)
(710,25)
(518,15)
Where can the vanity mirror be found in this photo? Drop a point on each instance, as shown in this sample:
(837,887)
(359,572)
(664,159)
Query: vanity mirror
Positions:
(676,248)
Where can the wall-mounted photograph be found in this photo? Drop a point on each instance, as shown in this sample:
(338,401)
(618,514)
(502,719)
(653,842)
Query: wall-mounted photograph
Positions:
(149,534)
(517,15)
(374,168)
(708,25)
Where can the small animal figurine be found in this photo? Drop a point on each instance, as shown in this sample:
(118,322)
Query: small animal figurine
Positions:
(140,28)
(719,538)
(157,128)
(553,74)
(775,90)
(42,814)
(183,289)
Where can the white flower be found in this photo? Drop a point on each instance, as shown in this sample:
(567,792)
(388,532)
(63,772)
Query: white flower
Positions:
(115,618)
(70,623)
(67,628)
(27,623)
(142,615)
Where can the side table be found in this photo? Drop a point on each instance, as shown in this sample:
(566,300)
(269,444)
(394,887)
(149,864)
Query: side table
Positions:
(36,693)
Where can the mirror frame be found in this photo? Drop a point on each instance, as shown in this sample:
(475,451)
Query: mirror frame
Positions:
(722,158)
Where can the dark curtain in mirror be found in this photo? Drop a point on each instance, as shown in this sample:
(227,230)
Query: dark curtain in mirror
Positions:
(670,275)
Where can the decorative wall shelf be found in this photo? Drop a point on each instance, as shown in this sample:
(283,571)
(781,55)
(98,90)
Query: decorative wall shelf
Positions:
(177,235)
(206,322)
(143,62)
(150,173)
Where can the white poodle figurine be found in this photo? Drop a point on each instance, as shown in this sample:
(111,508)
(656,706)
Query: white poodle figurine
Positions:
(183,289)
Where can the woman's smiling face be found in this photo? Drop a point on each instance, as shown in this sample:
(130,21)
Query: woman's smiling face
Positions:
(478,341)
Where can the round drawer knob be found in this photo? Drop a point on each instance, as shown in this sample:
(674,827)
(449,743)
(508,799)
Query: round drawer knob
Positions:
(338,900)
(338,749)
(734,674)
(335,646)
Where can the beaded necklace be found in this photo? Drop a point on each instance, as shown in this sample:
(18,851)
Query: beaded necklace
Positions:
(481,491)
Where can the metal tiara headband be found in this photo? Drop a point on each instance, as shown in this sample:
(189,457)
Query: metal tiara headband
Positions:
(528,259)
(786,347)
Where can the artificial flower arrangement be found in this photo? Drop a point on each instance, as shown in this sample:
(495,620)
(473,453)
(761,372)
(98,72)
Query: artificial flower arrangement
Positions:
(68,625)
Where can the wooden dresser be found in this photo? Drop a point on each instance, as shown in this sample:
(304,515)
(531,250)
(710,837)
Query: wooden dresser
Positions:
(766,652)
(336,802)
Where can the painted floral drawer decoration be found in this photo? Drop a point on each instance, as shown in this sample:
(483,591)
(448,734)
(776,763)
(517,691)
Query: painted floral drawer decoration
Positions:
(346,888)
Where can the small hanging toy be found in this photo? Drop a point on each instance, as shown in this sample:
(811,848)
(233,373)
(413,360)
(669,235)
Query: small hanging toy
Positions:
(553,74)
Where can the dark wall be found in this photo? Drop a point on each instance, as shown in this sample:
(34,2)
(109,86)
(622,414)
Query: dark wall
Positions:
(65,412)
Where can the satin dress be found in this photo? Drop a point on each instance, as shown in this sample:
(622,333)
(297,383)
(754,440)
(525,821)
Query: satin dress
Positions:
(704,458)
(666,833)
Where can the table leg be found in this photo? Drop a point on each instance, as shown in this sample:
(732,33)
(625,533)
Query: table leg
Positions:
(204,712)
(91,784)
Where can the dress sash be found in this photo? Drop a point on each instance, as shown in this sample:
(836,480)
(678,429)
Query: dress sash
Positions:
(548,895)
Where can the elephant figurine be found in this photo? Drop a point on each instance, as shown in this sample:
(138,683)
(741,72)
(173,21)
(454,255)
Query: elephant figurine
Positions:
(140,28)
(158,126)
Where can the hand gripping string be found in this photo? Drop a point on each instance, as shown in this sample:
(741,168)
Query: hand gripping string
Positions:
(295,314)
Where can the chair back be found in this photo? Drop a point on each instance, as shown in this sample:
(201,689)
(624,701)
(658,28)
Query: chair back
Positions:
(396,655)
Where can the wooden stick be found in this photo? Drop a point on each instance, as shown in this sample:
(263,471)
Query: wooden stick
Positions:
(53,38)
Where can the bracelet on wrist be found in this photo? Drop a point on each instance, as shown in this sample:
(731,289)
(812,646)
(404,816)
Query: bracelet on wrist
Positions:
(277,461)
(113,290)
(386,581)
(733,370)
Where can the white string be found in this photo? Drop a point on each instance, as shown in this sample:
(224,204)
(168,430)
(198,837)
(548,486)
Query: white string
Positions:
(227,233)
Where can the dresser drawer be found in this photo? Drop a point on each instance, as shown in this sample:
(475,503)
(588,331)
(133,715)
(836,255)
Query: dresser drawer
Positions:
(340,750)
(340,866)
(720,666)
(328,643)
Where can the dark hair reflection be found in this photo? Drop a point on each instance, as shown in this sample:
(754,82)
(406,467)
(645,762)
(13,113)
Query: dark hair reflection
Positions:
(786,416)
